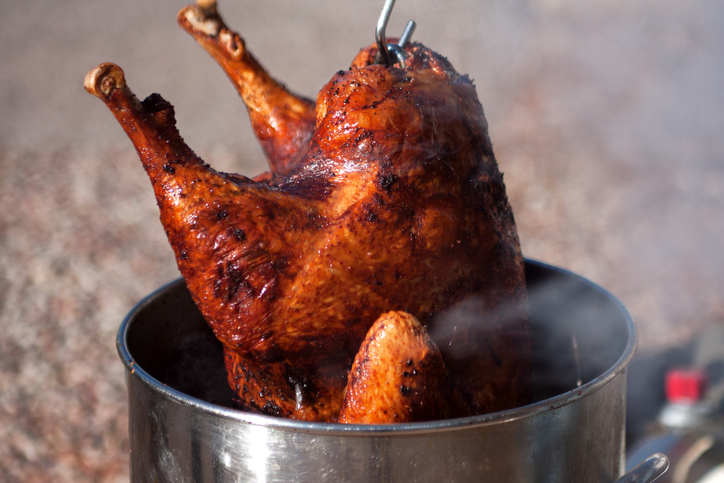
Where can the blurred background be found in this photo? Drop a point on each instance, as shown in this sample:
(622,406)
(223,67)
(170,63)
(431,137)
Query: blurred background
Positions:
(605,118)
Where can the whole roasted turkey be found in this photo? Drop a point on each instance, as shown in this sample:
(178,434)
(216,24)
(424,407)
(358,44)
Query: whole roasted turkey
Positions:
(374,274)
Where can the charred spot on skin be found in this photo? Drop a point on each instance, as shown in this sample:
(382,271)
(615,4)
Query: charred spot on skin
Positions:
(184,255)
(373,105)
(372,217)
(272,409)
(235,276)
(238,234)
(155,103)
(405,390)
(169,169)
(387,181)
(365,134)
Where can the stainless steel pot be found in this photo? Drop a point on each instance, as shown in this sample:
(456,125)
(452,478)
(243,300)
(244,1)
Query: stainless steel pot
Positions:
(583,341)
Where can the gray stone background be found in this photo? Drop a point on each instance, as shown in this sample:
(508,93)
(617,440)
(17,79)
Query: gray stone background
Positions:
(605,117)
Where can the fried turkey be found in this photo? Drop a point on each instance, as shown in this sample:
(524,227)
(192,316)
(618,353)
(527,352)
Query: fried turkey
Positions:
(383,196)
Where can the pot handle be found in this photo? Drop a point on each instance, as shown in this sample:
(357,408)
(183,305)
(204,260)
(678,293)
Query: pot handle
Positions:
(648,471)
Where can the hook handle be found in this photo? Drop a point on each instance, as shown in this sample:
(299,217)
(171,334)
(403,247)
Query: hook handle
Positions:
(380,32)
(385,50)
(407,33)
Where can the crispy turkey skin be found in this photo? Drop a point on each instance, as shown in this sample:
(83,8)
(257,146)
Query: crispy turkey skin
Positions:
(384,195)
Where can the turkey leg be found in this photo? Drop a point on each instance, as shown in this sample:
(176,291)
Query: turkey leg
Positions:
(283,122)
(231,237)
(399,376)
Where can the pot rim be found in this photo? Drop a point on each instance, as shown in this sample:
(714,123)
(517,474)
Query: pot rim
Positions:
(563,399)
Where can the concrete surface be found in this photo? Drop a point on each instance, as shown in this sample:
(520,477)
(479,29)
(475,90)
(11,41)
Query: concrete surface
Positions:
(605,116)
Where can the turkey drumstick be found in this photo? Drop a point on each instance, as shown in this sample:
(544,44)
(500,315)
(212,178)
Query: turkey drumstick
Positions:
(283,122)
(232,238)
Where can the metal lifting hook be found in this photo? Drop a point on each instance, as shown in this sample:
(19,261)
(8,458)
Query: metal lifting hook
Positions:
(385,50)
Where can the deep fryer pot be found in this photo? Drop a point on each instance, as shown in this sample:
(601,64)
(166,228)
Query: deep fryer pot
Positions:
(583,341)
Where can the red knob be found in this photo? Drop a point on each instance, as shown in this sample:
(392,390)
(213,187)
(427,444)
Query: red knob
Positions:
(685,386)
